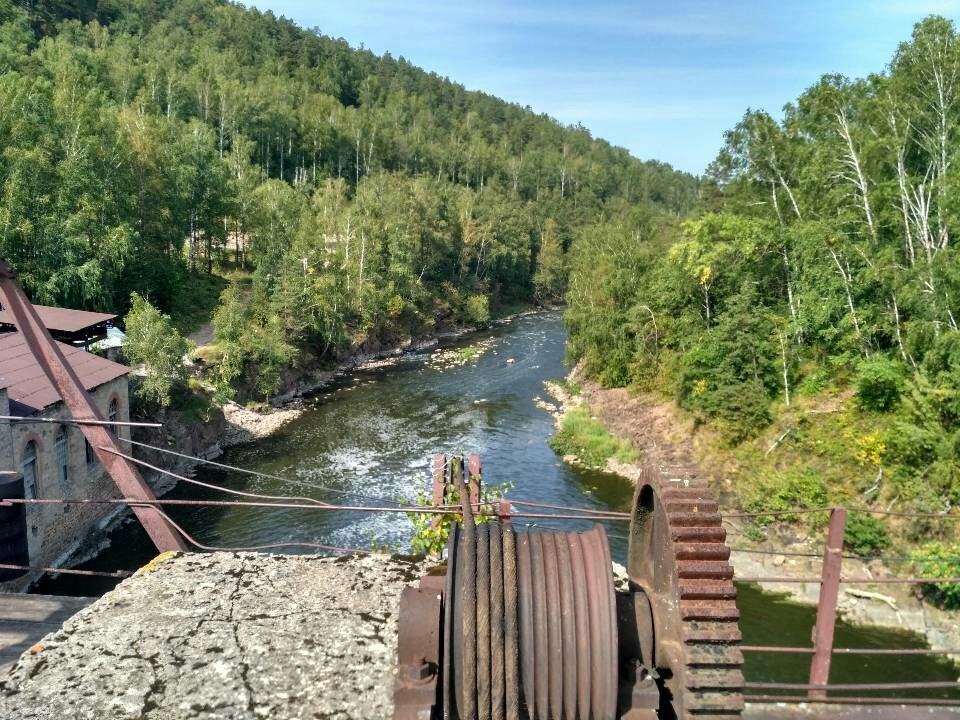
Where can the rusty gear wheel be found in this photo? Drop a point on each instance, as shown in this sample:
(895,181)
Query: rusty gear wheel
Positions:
(678,565)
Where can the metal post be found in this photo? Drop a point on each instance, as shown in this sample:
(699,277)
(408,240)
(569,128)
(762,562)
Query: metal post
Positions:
(439,494)
(65,381)
(827,606)
(504,510)
(456,476)
(474,482)
(439,480)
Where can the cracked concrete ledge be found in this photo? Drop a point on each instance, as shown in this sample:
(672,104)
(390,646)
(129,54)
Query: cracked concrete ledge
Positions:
(224,635)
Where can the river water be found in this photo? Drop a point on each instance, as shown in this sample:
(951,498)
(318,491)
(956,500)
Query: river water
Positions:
(370,439)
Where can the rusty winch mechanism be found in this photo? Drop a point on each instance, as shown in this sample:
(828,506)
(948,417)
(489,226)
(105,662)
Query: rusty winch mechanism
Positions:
(529,625)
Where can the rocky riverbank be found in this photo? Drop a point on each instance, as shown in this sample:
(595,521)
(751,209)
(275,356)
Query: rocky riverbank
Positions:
(307,376)
(658,430)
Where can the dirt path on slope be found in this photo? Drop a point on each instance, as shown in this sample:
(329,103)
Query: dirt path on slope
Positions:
(203,335)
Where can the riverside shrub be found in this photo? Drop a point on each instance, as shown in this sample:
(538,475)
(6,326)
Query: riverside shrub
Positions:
(865,534)
(879,385)
(937,559)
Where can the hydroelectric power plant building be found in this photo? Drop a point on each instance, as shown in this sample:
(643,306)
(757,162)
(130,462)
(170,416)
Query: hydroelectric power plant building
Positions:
(53,460)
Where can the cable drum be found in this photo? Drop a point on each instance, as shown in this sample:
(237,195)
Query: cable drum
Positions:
(535,633)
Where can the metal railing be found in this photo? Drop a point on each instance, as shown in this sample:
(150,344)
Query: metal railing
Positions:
(822,650)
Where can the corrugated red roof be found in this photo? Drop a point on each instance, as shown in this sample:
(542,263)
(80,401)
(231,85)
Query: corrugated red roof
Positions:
(62,319)
(26,382)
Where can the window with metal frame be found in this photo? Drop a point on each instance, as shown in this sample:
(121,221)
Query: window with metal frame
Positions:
(62,452)
(29,469)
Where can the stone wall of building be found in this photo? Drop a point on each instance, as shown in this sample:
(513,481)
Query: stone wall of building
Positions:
(56,531)
(6,435)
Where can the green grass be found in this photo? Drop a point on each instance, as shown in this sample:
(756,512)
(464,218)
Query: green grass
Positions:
(466,354)
(822,451)
(825,457)
(583,436)
(196,304)
(571,388)
(209,354)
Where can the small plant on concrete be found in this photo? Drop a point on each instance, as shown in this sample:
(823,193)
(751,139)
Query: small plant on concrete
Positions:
(431,530)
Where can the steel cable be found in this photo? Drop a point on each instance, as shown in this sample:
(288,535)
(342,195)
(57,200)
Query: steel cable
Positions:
(256,473)
(511,656)
(497,616)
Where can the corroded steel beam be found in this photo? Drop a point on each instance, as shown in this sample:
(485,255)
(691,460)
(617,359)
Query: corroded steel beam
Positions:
(827,606)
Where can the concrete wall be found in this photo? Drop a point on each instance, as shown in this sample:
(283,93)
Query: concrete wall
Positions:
(222,635)
(56,531)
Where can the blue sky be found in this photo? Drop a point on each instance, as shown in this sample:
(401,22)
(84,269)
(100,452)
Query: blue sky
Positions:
(663,79)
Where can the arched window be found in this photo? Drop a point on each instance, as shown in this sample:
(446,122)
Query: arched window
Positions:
(62,452)
(112,413)
(30,470)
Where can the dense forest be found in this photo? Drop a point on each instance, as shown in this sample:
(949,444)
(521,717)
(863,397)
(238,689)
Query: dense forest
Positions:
(813,300)
(144,143)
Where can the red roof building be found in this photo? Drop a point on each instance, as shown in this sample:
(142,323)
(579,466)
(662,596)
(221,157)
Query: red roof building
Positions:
(27,385)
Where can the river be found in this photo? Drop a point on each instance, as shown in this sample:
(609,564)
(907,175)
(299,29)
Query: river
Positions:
(369,440)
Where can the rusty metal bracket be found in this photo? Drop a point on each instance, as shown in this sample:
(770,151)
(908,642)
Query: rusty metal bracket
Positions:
(418,654)
(638,696)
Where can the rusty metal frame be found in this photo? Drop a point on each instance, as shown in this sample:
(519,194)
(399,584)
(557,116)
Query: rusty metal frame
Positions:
(78,401)
(827,606)
(418,652)
(474,475)
(822,651)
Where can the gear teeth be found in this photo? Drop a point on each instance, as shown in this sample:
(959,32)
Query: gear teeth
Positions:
(691,505)
(714,655)
(701,551)
(695,519)
(712,569)
(671,494)
(712,678)
(705,589)
(706,610)
(686,483)
(709,631)
(698,534)
(730,703)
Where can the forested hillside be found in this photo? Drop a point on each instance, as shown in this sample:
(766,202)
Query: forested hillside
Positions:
(818,290)
(146,142)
